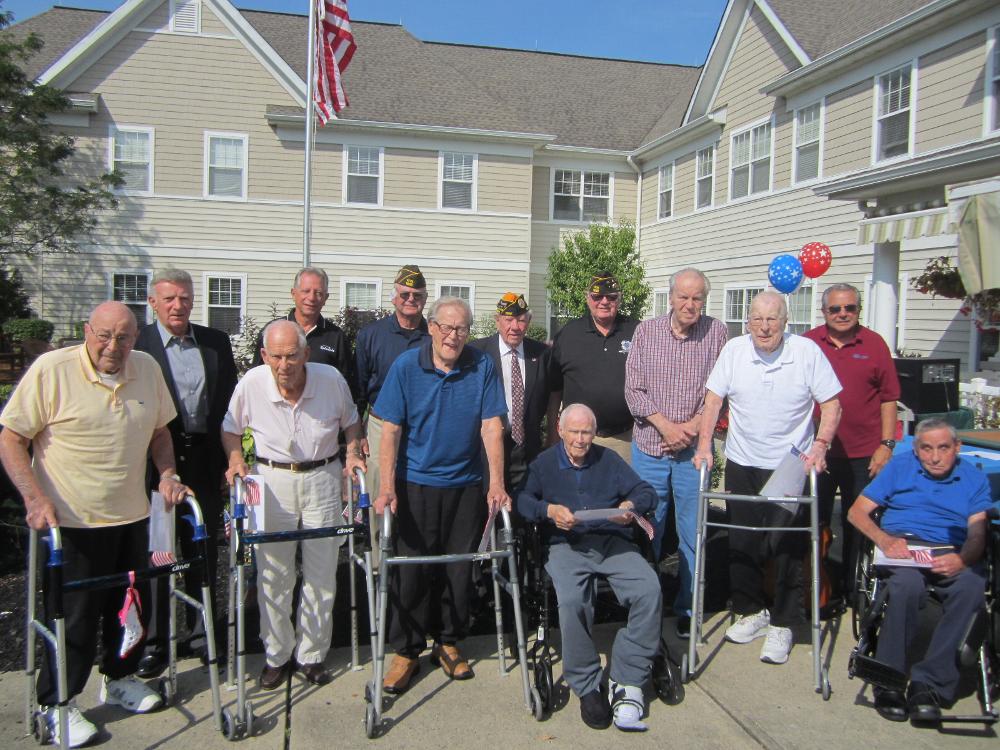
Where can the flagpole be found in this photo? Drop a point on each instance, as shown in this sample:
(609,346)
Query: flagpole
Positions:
(310,119)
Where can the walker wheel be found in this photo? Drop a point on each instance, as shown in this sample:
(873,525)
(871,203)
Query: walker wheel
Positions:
(229,728)
(537,709)
(166,691)
(371,721)
(543,682)
(825,688)
(685,673)
(40,728)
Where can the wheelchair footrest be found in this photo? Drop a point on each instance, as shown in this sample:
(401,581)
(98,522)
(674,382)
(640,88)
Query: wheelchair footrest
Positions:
(873,671)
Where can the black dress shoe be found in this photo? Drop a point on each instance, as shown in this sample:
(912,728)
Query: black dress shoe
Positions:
(151,665)
(683,627)
(595,710)
(315,674)
(923,703)
(272,677)
(890,704)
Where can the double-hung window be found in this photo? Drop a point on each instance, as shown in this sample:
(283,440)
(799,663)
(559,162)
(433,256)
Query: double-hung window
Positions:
(225,302)
(993,79)
(666,191)
(751,162)
(225,165)
(705,177)
(581,195)
(361,294)
(737,310)
(893,120)
(132,158)
(364,170)
(807,136)
(800,309)
(131,287)
(458,173)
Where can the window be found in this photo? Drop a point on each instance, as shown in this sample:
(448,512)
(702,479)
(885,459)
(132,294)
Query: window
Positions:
(361,294)
(666,209)
(132,288)
(705,177)
(225,303)
(993,79)
(462,289)
(800,309)
(581,196)
(132,158)
(738,308)
(185,16)
(751,162)
(661,302)
(807,136)
(225,165)
(893,120)
(364,168)
(458,173)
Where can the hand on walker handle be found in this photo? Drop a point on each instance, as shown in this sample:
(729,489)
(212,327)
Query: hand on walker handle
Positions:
(40,513)
(703,457)
(497,496)
(354,462)
(236,470)
(385,498)
(173,491)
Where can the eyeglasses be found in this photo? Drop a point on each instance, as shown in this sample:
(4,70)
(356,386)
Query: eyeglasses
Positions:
(447,330)
(106,337)
(608,297)
(412,295)
(834,309)
(758,322)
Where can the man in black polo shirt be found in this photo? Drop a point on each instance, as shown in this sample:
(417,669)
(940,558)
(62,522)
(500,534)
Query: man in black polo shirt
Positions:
(588,366)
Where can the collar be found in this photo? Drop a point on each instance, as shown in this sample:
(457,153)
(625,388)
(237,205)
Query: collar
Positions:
(593,328)
(395,327)
(425,358)
(785,356)
(949,478)
(90,372)
(824,332)
(505,349)
(321,323)
(274,395)
(166,336)
(669,318)
(565,463)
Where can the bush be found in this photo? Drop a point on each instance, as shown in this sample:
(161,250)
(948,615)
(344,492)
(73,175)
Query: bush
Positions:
(22,329)
(13,299)
(486,325)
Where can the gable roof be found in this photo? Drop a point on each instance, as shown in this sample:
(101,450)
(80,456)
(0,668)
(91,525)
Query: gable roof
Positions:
(60,28)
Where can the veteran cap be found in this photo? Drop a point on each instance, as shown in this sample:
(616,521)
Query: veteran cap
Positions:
(603,282)
(512,305)
(412,277)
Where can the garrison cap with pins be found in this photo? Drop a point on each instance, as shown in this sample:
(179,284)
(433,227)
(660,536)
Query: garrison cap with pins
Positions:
(603,282)
(412,277)
(512,304)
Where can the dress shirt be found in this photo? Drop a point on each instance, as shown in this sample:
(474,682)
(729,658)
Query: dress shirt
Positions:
(505,351)
(188,370)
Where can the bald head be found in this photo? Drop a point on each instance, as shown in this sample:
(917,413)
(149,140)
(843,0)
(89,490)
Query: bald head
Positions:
(768,316)
(109,336)
(284,333)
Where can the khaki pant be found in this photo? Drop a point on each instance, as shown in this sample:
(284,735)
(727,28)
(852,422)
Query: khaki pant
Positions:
(371,481)
(620,444)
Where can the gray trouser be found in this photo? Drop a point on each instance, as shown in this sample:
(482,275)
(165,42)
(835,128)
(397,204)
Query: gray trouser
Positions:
(574,569)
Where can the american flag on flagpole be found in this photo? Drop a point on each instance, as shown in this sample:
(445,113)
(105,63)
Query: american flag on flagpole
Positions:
(334,49)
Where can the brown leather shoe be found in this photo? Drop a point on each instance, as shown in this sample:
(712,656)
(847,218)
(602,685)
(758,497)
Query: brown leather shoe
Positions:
(401,671)
(315,674)
(452,662)
(272,677)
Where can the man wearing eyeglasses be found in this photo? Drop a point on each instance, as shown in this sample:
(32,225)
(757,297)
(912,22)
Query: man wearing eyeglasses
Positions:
(866,435)
(588,366)
(440,405)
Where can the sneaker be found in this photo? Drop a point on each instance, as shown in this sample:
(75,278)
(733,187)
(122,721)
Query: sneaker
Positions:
(682,629)
(749,627)
(131,694)
(777,645)
(595,709)
(627,706)
(81,731)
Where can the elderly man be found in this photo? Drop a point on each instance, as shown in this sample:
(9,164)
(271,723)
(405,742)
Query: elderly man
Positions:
(865,438)
(931,496)
(327,343)
(90,413)
(198,367)
(296,410)
(576,475)
(439,404)
(588,366)
(665,374)
(523,364)
(772,380)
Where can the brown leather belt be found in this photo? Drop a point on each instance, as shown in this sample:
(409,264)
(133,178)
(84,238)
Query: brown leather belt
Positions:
(304,466)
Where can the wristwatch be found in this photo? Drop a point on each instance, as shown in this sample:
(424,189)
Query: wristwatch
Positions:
(175,477)
(890,444)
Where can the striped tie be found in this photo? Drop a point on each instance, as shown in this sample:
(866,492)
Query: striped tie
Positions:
(516,399)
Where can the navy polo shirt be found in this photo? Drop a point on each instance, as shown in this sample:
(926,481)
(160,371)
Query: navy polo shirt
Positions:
(933,510)
(378,345)
(441,414)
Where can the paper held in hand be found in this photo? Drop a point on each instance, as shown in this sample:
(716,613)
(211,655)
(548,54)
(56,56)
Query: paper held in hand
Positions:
(787,480)
(921,556)
(600,515)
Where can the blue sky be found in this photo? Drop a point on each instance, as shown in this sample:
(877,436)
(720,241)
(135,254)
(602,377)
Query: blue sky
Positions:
(675,31)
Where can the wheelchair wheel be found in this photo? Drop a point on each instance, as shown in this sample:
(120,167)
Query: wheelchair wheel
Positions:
(667,681)
(544,683)
(863,593)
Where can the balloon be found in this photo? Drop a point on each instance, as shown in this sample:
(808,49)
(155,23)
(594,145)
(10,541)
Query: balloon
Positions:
(815,258)
(785,273)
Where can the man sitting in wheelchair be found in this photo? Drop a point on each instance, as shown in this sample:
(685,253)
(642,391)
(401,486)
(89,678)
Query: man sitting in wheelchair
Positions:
(932,497)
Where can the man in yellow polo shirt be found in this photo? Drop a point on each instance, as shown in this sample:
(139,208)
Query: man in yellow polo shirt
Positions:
(91,413)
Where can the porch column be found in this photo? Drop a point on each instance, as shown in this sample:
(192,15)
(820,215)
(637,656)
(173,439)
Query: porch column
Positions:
(885,291)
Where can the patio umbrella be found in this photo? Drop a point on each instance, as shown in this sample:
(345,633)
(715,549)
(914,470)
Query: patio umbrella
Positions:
(979,243)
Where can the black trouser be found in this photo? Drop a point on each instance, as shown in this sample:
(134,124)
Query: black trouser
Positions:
(750,550)
(88,553)
(850,476)
(433,599)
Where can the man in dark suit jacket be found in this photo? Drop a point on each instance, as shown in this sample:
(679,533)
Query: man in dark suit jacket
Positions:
(523,431)
(198,365)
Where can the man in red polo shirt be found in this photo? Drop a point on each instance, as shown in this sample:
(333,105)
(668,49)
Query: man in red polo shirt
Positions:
(864,440)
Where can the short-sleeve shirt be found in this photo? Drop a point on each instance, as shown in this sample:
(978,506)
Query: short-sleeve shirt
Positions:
(307,430)
(379,344)
(865,368)
(441,414)
(931,509)
(771,397)
(90,439)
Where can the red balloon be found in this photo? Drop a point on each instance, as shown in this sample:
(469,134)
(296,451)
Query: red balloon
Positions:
(815,258)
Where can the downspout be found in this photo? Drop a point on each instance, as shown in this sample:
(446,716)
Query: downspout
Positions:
(638,203)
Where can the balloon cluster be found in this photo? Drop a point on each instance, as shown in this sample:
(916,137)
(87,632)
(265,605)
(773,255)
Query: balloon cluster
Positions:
(786,271)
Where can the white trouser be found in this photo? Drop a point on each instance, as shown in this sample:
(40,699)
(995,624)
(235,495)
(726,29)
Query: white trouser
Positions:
(295,500)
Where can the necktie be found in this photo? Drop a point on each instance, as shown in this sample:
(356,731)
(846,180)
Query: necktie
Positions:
(516,400)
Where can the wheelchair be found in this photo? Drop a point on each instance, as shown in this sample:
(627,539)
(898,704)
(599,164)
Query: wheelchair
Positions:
(979,647)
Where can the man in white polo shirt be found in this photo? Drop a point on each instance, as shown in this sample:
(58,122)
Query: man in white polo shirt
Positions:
(296,410)
(773,381)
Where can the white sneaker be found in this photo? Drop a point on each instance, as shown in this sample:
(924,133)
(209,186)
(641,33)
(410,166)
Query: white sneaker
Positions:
(777,645)
(81,731)
(627,706)
(749,627)
(131,694)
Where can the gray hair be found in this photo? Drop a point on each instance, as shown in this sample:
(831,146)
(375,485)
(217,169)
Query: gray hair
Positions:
(437,304)
(312,271)
(840,288)
(572,409)
(172,276)
(934,423)
(282,323)
(768,295)
(694,271)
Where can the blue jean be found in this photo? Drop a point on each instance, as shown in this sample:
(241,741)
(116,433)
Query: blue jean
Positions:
(673,478)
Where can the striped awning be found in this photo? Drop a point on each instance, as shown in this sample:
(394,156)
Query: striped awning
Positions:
(908,226)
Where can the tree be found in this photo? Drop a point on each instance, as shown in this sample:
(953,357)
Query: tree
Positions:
(600,247)
(43,208)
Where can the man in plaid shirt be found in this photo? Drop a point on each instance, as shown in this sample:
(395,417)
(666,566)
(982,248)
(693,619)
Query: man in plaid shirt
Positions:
(668,364)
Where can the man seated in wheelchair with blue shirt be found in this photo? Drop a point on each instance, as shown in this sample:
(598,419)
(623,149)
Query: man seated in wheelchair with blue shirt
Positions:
(575,475)
(934,496)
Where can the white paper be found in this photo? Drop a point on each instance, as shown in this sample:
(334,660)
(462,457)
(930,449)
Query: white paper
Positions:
(921,556)
(991,455)
(598,514)
(787,479)
(161,525)
(254,498)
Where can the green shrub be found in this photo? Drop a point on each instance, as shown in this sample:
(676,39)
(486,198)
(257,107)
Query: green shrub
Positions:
(22,329)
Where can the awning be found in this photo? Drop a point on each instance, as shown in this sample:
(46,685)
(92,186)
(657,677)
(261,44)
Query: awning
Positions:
(909,226)
(978,237)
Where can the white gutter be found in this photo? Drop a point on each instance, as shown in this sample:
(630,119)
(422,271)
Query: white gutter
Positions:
(694,129)
(638,204)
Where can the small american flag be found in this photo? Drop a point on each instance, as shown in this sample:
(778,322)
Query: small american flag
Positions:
(163,558)
(334,49)
(252,494)
(642,523)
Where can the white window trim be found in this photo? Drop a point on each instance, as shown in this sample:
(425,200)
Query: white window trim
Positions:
(209,135)
(673,183)
(911,137)
(172,11)
(345,280)
(458,282)
(812,286)
(770,176)
(725,302)
(112,129)
(206,275)
(659,290)
(147,272)
(715,160)
(570,168)
(990,104)
(381,176)
(822,143)
(901,307)
(475,183)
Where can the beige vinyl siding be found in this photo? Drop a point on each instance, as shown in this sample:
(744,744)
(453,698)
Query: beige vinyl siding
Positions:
(934,326)
(650,196)
(504,184)
(541,178)
(848,129)
(210,23)
(781,157)
(684,192)
(950,98)
(626,192)
(411,178)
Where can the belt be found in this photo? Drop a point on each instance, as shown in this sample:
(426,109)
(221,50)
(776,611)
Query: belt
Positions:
(303,466)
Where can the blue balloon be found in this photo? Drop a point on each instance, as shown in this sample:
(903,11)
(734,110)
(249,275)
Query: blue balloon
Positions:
(785,273)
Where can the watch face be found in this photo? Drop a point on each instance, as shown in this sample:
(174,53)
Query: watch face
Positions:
(889,443)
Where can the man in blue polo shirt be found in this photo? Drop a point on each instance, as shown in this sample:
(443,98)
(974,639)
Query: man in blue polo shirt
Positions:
(439,405)
(934,496)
